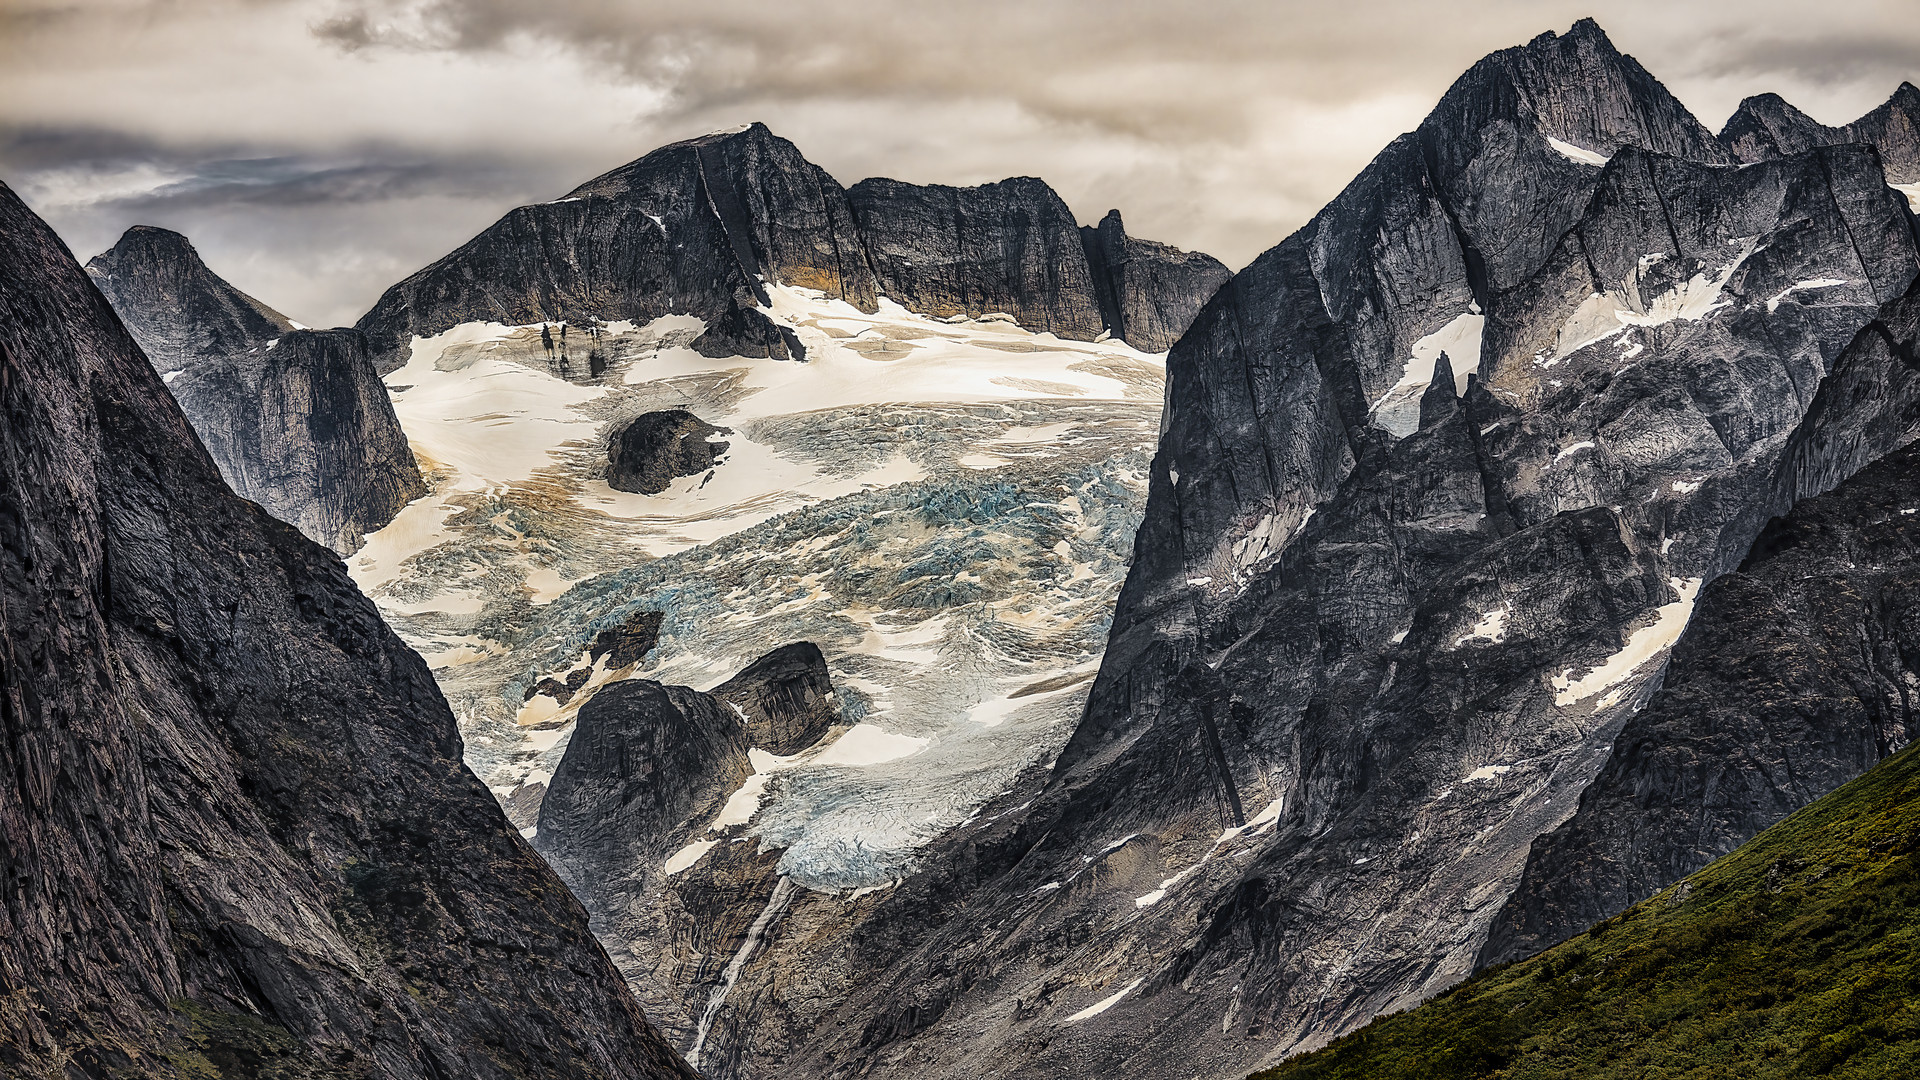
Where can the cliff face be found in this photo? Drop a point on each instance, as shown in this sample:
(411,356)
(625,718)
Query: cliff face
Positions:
(296,420)
(237,836)
(1795,675)
(699,227)
(1766,126)
(1148,292)
(1011,247)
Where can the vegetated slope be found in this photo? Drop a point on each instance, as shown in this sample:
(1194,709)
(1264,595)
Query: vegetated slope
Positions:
(296,419)
(1797,955)
(236,837)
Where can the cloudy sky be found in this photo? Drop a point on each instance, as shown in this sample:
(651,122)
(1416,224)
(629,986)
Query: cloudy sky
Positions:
(319,150)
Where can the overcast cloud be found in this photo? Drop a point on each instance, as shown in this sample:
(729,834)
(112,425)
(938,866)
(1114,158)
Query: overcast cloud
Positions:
(318,150)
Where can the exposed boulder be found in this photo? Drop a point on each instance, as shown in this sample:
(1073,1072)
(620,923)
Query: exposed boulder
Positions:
(653,449)
(787,698)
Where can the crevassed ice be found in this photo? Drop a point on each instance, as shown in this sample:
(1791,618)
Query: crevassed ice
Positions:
(1397,411)
(1642,645)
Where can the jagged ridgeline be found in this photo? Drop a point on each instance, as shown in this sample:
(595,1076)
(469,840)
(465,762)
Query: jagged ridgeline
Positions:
(700,227)
(1442,476)
(236,833)
(296,419)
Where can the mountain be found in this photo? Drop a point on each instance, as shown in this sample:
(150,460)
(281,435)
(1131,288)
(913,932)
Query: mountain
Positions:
(1794,676)
(296,419)
(1441,478)
(1766,126)
(237,835)
(701,227)
(1792,956)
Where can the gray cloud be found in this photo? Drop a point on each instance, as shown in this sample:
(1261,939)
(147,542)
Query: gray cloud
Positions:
(323,148)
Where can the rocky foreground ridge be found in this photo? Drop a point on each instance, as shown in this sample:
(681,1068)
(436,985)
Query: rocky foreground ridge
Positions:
(297,420)
(237,837)
(700,227)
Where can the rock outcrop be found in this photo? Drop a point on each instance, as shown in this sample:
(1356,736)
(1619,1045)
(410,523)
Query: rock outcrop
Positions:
(236,834)
(296,420)
(1148,292)
(1796,674)
(787,698)
(1767,126)
(645,817)
(700,227)
(653,449)
(1011,248)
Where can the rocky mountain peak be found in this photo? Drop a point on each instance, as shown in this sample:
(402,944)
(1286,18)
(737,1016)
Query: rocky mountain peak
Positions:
(296,419)
(184,312)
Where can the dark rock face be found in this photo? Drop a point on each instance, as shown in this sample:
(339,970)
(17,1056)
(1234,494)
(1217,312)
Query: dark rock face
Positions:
(696,227)
(1441,477)
(1011,247)
(1148,292)
(629,642)
(297,420)
(1766,127)
(1796,674)
(237,832)
(633,820)
(787,697)
(653,449)
(688,229)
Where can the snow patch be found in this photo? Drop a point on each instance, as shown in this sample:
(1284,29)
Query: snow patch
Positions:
(1912,192)
(1773,302)
(1106,1003)
(1642,645)
(1574,449)
(1492,626)
(1397,412)
(1486,772)
(687,856)
(1577,153)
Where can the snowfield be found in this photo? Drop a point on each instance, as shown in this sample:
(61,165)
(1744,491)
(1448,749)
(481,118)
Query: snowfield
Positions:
(945,507)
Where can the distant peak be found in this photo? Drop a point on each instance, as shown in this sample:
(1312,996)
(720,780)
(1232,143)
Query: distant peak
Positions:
(1588,28)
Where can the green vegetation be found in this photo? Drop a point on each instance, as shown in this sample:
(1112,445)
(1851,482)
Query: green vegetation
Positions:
(1797,955)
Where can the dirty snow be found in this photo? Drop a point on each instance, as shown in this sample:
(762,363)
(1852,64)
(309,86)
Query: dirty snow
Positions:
(1642,646)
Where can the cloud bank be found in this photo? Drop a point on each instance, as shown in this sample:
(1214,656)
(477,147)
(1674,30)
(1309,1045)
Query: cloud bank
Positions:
(318,150)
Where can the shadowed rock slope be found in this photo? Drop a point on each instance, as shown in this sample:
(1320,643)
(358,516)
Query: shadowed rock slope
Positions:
(699,228)
(236,836)
(1797,673)
(1148,292)
(296,420)
(1793,956)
